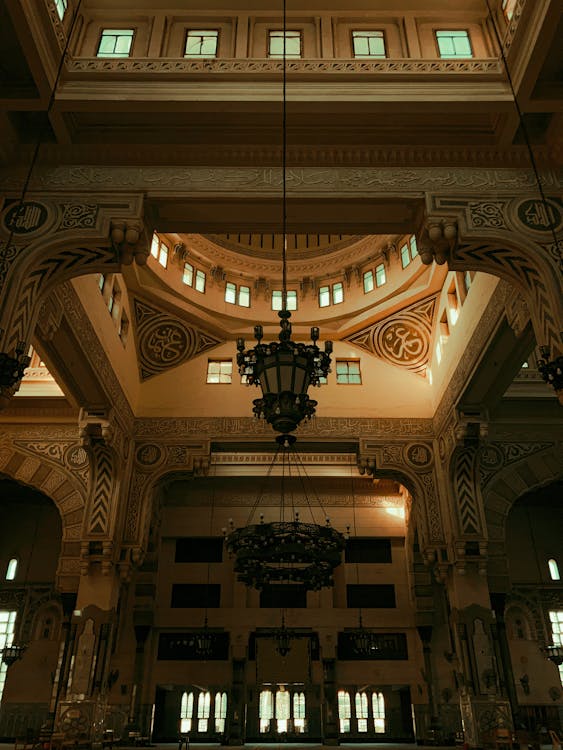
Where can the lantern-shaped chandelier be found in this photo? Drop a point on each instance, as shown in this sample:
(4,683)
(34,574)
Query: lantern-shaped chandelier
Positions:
(284,370)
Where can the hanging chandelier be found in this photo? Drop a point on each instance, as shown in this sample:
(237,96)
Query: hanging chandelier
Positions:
(284,369)
(285,551)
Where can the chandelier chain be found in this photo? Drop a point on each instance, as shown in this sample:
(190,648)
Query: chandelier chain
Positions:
(284,160)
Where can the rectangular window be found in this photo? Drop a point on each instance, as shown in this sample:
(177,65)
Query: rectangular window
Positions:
(201,43)
(324,296)
(368,551)
(244,296)
(454,43)
(277,299)
(405,256)
(200,281)
(188,275)
(368,282)
(163,256)
(231,293)
(115,43)
(194,549)
(276,43)
(413,247)
(220,371)
(283,595)
(195,595)
(380,277)
(337,293)
(348,372)
(101,282)
(61,6)
(508,8)
(371,595)
(159,250)
(368,43)
(155,245)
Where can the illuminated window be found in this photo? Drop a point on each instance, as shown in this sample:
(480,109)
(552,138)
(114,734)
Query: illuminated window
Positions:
(299,712)
(552,565)
(266,710)
(368,43)
(378,709)
(7,626)
(283,710)
(413,247)
(220,712)
(61,6)
(344,710)
(348,372)
(200,281)
(186,712)
(276,43)
(220,371)
(454,43)
(159,250)
(556,619)
(362,712)
(201,43)
(203,711)
(188,275)
(467,280)
(380,277)
(115,43)
(237,295)
(277,299)
(405,256)
(12,569)
(328,294)
(369,284)
(101,282)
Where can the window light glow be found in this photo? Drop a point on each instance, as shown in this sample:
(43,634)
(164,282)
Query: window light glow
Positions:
(453,43)
(115,43)
(61,6)
(553,570)
(368,43)
(201,43)
(292,43)
(12,569)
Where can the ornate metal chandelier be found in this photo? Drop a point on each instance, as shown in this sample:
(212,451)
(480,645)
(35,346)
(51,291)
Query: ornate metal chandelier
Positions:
(285,551)
(284,369)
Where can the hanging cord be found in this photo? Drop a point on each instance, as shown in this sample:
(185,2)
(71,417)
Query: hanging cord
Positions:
(302,475)
(284,161)
(523,127)
(262,488)
(44,129)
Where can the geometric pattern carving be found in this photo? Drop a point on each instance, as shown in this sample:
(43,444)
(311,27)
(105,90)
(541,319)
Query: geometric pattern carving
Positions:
(165,341)
(495,456)
(69,454)
(466,491)
(403,338)
(488,214)
(101,490)
(57,267)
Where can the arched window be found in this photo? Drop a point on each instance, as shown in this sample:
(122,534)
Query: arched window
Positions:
(344,710)
(378,708)
(186,712)
(553,570)
(299,712)
(362,712)
(12,569)
(220,712)
(266,710)
(203,710)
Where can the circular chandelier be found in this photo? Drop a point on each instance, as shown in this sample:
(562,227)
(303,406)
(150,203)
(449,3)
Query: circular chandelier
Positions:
(285,551)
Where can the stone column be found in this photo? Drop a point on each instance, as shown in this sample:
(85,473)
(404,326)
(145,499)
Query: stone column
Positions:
(330,731)
(236,705)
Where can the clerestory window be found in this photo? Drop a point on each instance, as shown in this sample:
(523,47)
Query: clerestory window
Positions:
(115,43)
(454,43)
(201,43)
(288,43)
(369,43)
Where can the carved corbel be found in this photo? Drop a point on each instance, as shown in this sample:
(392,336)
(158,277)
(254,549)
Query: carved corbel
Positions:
(217,273)
(471,553)
(307,286)
(201,466)
(97,425)
(12,367)
(131,241)
(436,240)
(472,426)
(262,287)
(352,273)
(366,465)
(180,253)
(130,558)
(96,553)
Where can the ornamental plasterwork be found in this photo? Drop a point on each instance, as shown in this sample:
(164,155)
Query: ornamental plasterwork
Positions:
(334,427)
(495,456)
(402,339)
(489,66)
(164,341)
(259,181)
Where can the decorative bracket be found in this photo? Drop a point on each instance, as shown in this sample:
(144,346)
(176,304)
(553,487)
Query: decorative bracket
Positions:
(131,241)
(437,239)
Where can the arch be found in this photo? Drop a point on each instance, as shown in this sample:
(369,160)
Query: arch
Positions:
(516,478)
(56,483)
